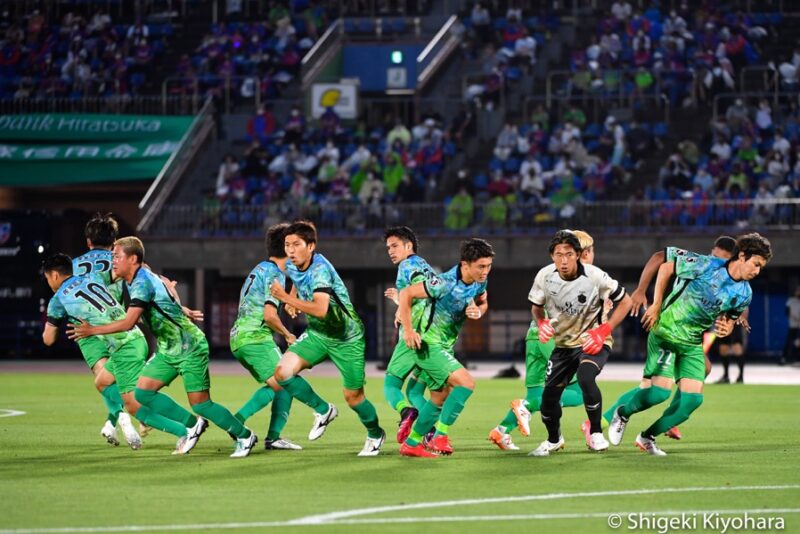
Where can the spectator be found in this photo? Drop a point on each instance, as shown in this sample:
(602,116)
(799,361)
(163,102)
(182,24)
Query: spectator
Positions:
(399,134)
(459,211)
(329,123)
(764,119)
(495,213)
(506,142)
(261,126)
(228,169)
(295,127)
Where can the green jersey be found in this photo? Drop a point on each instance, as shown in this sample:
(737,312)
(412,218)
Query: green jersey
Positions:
(250,327)
(98,263)
(410,271)
(703,291)
(341,322)
(176,334)
(450,297)
(85,298)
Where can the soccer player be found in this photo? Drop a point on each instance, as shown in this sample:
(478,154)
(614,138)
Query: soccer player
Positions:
(182,350)
(334,332)
(401,244)
(252,340)
(724,248)
(574,295)
(708,291)
(85,298)
(537,355)
(100,233)
(456,295)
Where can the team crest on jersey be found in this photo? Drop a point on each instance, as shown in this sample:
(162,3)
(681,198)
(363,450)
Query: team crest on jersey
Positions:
(5,232)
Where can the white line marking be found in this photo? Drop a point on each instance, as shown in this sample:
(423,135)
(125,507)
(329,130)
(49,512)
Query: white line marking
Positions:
(10,413)
(342,518)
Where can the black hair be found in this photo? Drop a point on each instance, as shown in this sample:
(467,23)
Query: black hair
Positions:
(726,243)
(403,233)
(101,230)
(60,263)
(275,240)
(565,237)
(754,244)
(305,230)
(475,249)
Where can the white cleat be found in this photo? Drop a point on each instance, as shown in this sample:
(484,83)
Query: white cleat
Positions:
(180,444)
(109,432)
(598,442)
(193,435)
(372,447)
(616,429)
(523,416)
(245,445)
(281,444)
(649,446)
(546,447)
(131,436)
(321,422)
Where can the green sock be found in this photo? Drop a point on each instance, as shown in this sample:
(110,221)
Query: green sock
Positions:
(369,418)
(572,396)
(113,401)
(415,392)
(259,400)
(164,405)
(393,391)
(220,416)
(301,390)
(281,407)
(644,399)
(623,399)
(425,421)
(452,408)
(150,418)
(688,403)
(673,406)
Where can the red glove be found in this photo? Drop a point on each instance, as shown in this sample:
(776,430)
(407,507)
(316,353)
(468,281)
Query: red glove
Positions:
(546,331)
(595,339)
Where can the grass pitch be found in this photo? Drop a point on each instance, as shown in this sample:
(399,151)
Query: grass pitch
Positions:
(740,452)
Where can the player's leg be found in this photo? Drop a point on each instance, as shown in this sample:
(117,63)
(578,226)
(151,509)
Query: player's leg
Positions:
(625,398)
(157,373)
(281,406)
(95,354)
(737,351)
(105,384)
(724,356)
(588,369)
(400,366)
(572,396)
(435,376)
(260,360)
(562,366)
(536,357)
(415,389)
(462,385)
(306,352)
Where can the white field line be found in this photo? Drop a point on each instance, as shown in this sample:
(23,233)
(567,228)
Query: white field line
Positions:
(344,518)
(10,413)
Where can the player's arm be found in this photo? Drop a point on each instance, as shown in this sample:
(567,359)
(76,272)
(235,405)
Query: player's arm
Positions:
(620,311)
(639,295)
(318,307)
(743,320)
(49,334)
(665,273)
(274,321)
(80,331)
(478,306)
(406,298)
(392,294)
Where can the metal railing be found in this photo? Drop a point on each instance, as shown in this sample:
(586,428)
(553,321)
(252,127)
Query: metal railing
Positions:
(437,51)
(192,91)
(321,53)
(347,218)
(759,78)
(776,97)
(597,107)
(619,93)
(135,105)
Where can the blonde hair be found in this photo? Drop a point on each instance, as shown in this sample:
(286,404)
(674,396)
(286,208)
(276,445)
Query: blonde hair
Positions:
(585,239)
(131,246)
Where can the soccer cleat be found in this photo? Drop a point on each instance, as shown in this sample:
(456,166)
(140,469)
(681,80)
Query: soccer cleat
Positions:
(586,428)
(281,444)
(131,436)
(194,435)
(407,417)
(503,441)
(180,444)
(546,447)
(144,430)
(245,445)
(441,445)
(673,433)
(598,442)
(321,422)
(648,445)
(523,416)
(616,429)
(427,438)
(372,447)
(417,451)
(109,432)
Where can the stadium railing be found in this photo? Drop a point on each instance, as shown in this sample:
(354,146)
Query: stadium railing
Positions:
(563,77)
(437,51)
(621,217)
(597,107)
(321,53)
(777,98)
(135,105)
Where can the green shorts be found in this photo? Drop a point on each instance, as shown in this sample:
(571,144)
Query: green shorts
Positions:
(193,367)
(674,360)
(403,362)
(260,359)
(537,355)
(127,362)
(437,363)
(93,350)
(347,356)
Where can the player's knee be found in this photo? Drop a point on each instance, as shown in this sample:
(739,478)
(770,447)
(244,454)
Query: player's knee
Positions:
(587,373)
(144,396)
(354,397)
(690,402)
(283,373)
(657,395)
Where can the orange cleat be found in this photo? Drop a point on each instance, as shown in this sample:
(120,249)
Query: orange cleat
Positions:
(417,451)
(441,445)
(673,433)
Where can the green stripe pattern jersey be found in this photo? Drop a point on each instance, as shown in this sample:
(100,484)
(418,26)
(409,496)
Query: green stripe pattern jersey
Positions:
(450,296)
(85,298)
(341,323)
(250,327)
(176,334)
(98,262)
(410,271)
(703,291)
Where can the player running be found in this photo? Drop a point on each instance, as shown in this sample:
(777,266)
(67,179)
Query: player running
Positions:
(252,340)
(456,295)
(708,291)
(334,332)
